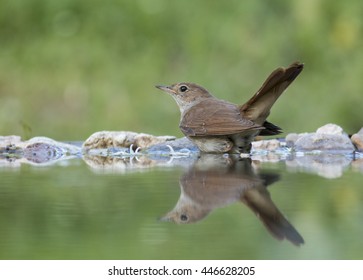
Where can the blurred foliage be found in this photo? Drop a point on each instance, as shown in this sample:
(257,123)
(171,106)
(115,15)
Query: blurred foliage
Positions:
(70,68)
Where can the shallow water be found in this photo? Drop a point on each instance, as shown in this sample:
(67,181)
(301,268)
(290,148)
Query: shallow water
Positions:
(214,207)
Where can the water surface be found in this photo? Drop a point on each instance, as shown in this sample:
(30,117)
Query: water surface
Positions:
(214,207)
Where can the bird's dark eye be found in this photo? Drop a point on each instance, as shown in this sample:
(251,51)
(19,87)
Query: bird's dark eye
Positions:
(183,217)
(183,88)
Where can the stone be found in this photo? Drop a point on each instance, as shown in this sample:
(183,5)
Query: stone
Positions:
(143,140)
(46,150)
(64,147)
(123,139)
(180,145)
(291,138)
(324,142)
(357,140)
(266,145)
(330,128)
(330,137)
(37,150)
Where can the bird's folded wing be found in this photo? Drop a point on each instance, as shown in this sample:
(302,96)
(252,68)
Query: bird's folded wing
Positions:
(215,117)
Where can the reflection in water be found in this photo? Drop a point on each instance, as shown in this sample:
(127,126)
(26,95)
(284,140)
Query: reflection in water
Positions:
(216,181)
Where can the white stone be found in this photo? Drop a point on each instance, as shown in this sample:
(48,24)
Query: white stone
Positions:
(330,129)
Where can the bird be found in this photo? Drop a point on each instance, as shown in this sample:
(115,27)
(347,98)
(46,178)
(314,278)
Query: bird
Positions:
(219,126)
(215,181)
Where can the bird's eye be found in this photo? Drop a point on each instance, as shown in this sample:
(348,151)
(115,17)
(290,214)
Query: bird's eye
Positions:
(183,217)
(183,88)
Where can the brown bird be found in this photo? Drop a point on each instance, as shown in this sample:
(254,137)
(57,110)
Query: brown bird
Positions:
(216,181)
(218,126)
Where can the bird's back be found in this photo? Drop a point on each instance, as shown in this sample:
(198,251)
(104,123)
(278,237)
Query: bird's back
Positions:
(213,117)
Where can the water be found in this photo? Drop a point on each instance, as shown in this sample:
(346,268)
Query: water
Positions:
(212,208)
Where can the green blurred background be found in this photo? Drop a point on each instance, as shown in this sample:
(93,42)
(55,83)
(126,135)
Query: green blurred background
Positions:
(70,68)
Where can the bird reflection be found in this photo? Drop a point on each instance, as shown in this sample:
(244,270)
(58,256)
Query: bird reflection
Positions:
(216,181)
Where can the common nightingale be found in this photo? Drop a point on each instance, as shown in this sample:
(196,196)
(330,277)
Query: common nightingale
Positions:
(215,181)
(218,126)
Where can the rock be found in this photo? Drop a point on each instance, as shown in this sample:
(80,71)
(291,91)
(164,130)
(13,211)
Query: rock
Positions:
(292,138)
(123,139)
(63,147)
(266,145)
(357,140)
(45,150)
(330,129)
(37,150)
(178,146)
(324,142)
(329,138)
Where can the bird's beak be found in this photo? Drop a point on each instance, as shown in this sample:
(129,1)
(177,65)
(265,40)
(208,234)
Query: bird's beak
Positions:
(166,218)
(165,88)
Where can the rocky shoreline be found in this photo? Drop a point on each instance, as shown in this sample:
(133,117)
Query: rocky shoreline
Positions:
(328,146)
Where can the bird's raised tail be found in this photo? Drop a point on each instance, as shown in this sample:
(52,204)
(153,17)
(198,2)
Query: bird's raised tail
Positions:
(259,201)
(258,107)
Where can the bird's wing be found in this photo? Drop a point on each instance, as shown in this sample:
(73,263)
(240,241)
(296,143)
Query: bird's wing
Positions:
(215,117)
(258,107)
